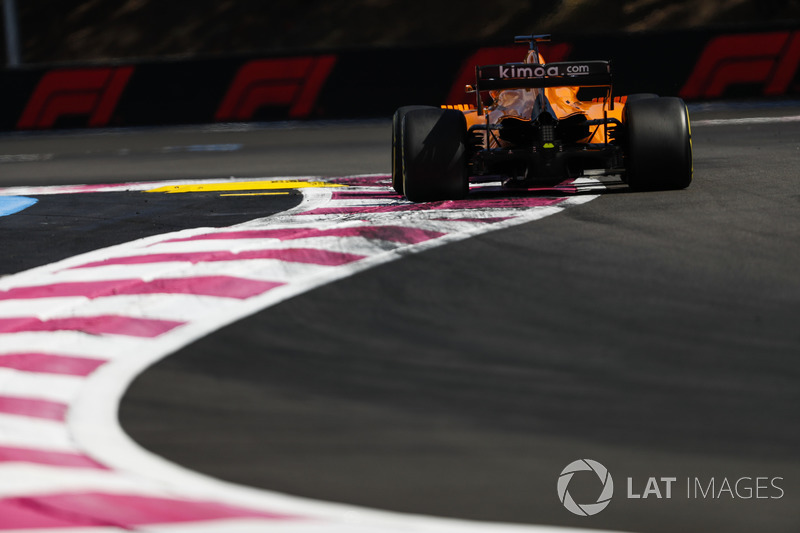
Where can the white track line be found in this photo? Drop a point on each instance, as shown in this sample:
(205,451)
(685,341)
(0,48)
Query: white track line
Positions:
(745,121)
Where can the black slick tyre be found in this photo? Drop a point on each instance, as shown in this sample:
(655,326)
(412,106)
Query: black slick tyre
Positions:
(659,144)
(433,155)
(397,161)
(639,96)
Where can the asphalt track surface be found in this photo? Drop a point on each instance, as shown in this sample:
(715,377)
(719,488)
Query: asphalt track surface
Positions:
(654,332)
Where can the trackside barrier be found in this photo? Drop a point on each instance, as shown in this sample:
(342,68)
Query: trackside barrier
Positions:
(374,82)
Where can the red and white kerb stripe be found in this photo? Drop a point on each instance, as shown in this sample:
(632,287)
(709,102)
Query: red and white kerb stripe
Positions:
(73,334)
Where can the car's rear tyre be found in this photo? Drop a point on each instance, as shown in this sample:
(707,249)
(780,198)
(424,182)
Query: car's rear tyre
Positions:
(397,161)
(639,96)
(433,155)
(659,144)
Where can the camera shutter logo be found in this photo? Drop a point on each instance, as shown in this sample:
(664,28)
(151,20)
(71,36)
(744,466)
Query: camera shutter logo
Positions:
(585,509)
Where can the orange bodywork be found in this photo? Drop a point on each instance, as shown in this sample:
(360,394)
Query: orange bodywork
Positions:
(563,100)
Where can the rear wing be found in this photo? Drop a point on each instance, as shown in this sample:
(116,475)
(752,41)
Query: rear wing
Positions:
(533,76)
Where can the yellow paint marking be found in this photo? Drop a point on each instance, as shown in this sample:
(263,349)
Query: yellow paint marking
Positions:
(244,186)
(255,193)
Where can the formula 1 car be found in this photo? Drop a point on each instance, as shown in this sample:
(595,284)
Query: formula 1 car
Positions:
(532,128)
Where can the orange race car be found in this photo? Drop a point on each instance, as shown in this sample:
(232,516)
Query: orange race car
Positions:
(533,126)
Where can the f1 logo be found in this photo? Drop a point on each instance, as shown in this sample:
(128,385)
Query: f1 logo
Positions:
(75,92)
(770,59)
(281,82)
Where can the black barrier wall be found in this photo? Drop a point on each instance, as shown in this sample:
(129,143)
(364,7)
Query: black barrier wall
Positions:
(373,83)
